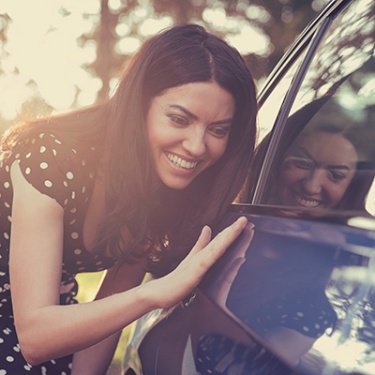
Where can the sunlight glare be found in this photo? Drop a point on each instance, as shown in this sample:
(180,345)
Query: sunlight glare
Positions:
(152,26)
(41,55)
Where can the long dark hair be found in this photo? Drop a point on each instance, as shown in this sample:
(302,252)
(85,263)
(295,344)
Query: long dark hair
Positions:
(165,219)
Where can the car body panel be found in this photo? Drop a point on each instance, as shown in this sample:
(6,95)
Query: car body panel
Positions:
(295,294)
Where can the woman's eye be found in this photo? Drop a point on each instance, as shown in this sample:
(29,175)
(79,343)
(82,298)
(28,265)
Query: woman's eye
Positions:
(336,176)
(179,120)
(220,132)
(299,162)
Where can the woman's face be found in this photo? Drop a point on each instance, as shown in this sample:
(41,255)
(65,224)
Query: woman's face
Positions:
(188,129)
(318,171)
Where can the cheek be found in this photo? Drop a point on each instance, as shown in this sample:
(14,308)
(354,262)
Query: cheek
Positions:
(292,175)
(337,192)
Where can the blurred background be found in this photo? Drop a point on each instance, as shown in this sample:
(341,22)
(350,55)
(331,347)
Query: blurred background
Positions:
(59,55)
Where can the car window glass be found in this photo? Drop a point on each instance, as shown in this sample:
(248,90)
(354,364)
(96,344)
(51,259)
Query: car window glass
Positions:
(326,157)
(270,108)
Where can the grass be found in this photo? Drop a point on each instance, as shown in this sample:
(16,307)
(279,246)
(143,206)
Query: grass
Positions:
(88,284)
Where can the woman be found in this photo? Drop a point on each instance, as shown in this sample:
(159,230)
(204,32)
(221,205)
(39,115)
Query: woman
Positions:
(326,159)
(126,186)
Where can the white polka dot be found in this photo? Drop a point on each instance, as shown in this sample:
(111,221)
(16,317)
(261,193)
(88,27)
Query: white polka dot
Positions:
(27,367)
(83,189)
(74,235)
(9,358)
(54,152)
(65,183)
(300,314)
(28,154)
(41,135)
(73,194)
(57,141)
(6,235)
(69,176)
(1,340)
(43,165)
(6,185)
(306,329)
(3,372)
(16,348)
(77,251)
(48,183)
(73,210)
(42,149)
(27,170)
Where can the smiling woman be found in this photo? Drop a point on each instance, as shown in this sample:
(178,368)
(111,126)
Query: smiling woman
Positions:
(318,169)
(328,165)
(124,186)
(188,134)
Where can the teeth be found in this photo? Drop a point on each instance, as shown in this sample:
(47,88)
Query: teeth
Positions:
(305,202)
(181,162)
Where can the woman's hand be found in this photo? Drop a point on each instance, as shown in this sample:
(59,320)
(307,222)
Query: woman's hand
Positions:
(172,288)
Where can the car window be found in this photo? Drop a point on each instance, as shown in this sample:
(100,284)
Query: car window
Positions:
(326,157)
(270,108)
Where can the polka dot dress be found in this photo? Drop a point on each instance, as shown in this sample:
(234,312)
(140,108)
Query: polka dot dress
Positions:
(67,175)
(309,313)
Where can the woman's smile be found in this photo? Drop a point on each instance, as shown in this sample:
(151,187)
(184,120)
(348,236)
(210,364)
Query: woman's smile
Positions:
(180,162)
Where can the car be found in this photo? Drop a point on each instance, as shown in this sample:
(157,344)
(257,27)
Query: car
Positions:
(295,294)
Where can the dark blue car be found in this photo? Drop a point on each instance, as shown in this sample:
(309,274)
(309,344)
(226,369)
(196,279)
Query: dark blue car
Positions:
(296,293)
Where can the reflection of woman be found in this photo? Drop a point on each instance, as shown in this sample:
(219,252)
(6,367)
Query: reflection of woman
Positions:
(317,169)
(283,283)
(326,166)
(126,186)
(329,164)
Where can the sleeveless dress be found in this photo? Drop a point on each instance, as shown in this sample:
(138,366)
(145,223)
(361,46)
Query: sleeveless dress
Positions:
(67,175)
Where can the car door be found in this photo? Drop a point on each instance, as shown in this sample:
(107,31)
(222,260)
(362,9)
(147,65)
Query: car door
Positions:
(295,293)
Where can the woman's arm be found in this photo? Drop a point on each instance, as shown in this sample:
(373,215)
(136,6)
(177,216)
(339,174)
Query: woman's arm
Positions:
(47,330)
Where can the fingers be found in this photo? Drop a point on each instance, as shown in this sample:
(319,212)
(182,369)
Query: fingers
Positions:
(230,233)
(203,240)
(221,240)
(227,236)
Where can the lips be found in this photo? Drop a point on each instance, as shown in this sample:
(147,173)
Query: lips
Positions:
(179,162)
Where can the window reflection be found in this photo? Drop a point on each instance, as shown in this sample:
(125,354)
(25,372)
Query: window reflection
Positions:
(333,115)
(330,164)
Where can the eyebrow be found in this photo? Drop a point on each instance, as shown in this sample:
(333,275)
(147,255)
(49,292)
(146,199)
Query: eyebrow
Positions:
(344,167)
(195,117)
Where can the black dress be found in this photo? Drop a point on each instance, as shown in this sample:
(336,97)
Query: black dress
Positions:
(66,174)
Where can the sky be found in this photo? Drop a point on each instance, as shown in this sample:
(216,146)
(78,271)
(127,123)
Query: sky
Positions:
(41,55)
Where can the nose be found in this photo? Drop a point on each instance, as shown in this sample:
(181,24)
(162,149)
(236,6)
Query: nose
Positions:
(195,142)
(314,181)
